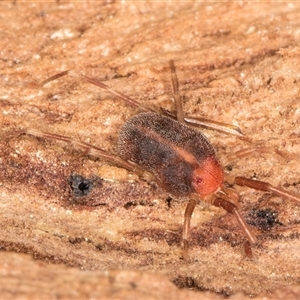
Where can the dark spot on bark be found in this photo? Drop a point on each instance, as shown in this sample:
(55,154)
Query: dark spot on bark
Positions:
(79,185)
(264,219)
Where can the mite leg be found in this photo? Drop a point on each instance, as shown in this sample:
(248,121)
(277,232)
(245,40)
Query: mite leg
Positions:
(231,208)
(248,249)
(187,226)
(202,122)
(223,127)
(209,124)
(176,95)
(249,151)
(89,149)
(101,85)
(266,187)
(219,126)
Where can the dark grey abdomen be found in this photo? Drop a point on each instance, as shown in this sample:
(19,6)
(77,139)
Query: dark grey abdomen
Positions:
(150,140)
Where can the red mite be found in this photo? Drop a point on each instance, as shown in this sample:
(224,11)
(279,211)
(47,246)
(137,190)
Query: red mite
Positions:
(181,158)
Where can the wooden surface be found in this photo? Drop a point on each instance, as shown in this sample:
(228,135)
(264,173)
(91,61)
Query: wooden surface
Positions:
(236,63)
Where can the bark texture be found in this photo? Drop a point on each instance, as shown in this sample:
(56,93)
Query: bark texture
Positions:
(109,233)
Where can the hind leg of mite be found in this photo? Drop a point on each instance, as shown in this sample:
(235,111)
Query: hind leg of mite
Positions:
(122,97)
(197,122)
(89,149)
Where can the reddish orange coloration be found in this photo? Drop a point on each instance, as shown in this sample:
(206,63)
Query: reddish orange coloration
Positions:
(208,177)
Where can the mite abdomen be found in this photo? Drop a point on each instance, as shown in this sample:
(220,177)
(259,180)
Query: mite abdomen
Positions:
(167,148)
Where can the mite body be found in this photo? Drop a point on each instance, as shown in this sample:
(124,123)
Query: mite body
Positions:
(181,158)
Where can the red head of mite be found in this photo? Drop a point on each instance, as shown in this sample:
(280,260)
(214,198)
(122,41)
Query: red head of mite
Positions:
(207,177)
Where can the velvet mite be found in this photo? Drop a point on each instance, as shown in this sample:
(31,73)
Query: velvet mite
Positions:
(181,158)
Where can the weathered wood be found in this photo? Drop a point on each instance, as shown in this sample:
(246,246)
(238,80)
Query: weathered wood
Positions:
(236,63)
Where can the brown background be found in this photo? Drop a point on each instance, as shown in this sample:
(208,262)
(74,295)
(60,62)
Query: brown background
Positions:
(236,62)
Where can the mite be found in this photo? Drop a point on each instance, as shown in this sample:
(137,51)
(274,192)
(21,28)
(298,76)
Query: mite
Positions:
(181,158)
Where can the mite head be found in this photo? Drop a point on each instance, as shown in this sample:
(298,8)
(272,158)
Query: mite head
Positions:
(207,177)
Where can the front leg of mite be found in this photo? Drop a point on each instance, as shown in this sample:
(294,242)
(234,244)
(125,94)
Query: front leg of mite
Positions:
(187,226)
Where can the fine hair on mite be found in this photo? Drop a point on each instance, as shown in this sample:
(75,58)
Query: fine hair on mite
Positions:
(157,137)
(181,158)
